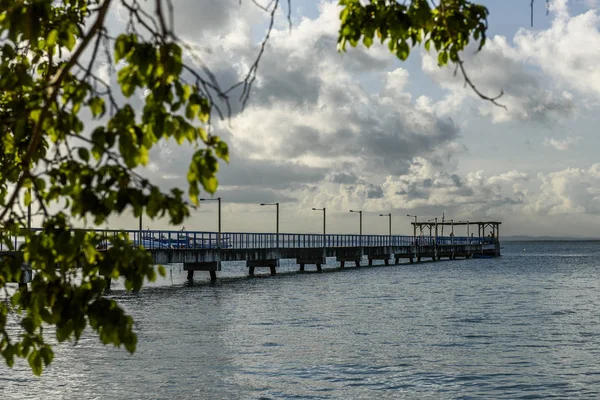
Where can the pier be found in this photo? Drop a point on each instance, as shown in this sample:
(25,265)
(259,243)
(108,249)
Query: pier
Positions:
(205,251)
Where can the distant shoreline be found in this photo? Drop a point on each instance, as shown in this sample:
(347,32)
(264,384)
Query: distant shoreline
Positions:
(545,239)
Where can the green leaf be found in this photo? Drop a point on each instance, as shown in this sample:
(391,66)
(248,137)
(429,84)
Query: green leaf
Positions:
(35,362)
(97,107)
(443,58)
(222,151)
(27,200)
(210,184)
(84,154)
(52,37)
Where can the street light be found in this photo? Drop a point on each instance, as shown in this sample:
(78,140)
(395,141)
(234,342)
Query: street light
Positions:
(436,233)
(390,217)
(414,230)
(218,199)
(324,226)
(276,220)
(360,226)
(452,238)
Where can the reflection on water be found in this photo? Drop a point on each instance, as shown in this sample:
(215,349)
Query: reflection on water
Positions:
(521,326)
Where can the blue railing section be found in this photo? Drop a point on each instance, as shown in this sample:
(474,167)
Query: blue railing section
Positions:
(243,240)
(166,239)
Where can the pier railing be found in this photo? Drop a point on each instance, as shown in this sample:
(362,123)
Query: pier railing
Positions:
(244,240)
(168,239)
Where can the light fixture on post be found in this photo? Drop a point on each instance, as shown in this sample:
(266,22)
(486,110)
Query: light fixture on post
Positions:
(218,199)
(414,231)
(360,226)
(324,226)
(276,220)
(390,223)
(452,238)
(435,238)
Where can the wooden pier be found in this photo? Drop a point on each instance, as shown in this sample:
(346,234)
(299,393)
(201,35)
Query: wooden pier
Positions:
(205,251)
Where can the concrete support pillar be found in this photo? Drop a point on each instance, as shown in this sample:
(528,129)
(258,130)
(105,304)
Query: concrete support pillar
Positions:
(213,275)
(342,264)
(190,275)
(272,264)
(357,263)
(301,267)
(319,268)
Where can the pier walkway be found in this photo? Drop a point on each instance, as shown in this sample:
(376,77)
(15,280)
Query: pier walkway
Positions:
(205,251)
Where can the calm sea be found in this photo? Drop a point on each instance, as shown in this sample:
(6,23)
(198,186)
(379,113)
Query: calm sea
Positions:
(526,325)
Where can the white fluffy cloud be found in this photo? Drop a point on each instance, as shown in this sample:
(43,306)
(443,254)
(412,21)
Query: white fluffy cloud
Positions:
(539,71)
(561,144)
(344,131)
(500,67)
(570,191)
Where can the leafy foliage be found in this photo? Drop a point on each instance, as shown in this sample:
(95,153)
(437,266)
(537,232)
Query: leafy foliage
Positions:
(66,169)
(448,27)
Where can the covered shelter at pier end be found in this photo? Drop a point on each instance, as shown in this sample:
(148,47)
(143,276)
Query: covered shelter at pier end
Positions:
(437,228)
(435,237)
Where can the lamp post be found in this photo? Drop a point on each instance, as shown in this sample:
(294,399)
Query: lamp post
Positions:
(435,239)
(414,231)
(390,217)
(276,220)
(324,224)
(452,238)
(360,226)
(218,199)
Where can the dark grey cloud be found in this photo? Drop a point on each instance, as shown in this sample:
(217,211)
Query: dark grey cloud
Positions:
(254,195)
(344,178)
(268,174)
(374,192)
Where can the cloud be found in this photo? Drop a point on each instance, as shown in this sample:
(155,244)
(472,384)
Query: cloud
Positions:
(344,178)
(343,131)
(561,144)
(540,72)
(528,94)
(554,50)
(569,191)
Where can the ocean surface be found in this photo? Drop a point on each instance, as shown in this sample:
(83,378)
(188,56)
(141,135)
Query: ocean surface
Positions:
(523,326)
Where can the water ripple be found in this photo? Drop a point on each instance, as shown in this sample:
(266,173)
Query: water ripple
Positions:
(524,326)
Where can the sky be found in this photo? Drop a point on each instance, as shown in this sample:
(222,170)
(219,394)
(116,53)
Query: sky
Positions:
(361,130)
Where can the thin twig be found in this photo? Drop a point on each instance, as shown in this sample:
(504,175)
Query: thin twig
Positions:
(468,82)
(251,76)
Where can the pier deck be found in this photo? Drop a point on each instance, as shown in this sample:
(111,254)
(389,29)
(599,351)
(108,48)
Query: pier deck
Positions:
(205,251)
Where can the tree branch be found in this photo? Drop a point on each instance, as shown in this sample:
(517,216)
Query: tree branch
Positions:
(468,82)
(51,99)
